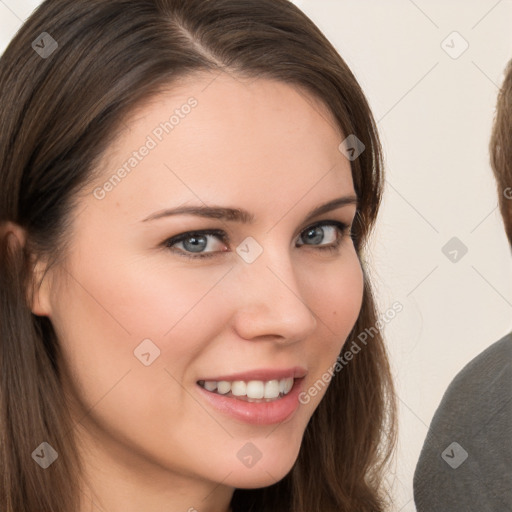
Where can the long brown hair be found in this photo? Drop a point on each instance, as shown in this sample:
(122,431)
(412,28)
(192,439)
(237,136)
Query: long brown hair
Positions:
(501,149)
(59,111)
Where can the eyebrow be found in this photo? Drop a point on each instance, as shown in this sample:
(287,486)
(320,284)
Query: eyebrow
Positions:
(243,216)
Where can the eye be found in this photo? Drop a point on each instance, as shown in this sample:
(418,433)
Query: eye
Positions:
(316,235)
(194,243)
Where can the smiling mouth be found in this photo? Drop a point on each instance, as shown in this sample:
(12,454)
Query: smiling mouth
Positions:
(250,391)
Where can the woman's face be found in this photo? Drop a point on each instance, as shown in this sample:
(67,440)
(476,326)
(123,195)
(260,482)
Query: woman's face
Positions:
(143,321)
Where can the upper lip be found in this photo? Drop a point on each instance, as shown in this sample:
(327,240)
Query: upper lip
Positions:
(264,374)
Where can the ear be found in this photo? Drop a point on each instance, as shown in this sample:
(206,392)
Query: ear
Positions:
(38,288)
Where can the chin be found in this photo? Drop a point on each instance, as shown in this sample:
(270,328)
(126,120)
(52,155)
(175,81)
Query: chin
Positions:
(265,472)
(258,480)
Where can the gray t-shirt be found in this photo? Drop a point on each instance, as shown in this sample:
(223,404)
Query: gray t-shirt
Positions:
(466,461)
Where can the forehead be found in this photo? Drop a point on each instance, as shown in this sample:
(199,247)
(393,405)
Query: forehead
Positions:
(216,137)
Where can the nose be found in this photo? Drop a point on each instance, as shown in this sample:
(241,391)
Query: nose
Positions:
(271,303)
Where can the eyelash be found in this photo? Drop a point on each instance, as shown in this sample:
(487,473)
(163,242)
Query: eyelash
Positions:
(341,227)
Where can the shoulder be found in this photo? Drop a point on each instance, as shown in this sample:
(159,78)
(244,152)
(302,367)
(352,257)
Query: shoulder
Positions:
(481,388)
(473,424)
(487,367)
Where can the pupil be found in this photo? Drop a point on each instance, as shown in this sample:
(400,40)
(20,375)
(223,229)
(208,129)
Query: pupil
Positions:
(317,238)
(198,243)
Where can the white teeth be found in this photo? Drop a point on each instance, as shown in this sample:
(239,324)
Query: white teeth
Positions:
(210,385)
(239,388)
(223,387)
(272,389)
(253,389)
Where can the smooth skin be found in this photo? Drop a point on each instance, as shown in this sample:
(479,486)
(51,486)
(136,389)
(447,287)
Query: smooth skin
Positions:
(149,440)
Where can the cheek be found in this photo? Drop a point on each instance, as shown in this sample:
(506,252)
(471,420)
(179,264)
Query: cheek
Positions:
(338,296)
(102,320)
(337,303)
(105,311)
(118,303)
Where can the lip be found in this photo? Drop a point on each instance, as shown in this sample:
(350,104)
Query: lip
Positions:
(257,413)
(264,374)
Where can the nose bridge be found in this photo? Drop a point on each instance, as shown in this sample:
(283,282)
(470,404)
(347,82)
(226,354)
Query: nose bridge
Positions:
(272,302)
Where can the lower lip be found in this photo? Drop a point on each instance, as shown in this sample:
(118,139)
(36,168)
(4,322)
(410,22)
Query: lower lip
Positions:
(258,413)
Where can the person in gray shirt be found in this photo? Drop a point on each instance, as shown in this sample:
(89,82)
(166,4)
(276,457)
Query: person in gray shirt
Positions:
(466,461)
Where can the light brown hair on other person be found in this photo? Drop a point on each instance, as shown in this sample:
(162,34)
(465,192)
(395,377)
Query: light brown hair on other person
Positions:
(501,150)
